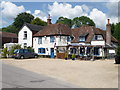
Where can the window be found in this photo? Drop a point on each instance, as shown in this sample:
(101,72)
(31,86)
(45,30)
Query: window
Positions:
(40,40)
(96,51)
(73,50)
(98,37)
(82,51)
(52,39)
(88,51)
(68,38)
(82,39)
(25,35)
(25,45)
(41,50)
(26,50)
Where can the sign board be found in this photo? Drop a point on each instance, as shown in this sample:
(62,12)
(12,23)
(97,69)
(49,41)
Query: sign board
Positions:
(111,51)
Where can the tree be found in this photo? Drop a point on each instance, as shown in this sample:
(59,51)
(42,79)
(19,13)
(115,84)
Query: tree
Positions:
(83,20)
(21,19)
(112,28)
(10,28)
(38,21)
(116,33)
(66,21)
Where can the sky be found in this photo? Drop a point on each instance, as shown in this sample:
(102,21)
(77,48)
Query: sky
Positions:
(99,12)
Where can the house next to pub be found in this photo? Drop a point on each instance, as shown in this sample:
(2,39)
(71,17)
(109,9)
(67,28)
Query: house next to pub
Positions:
(54,40)
(25,35)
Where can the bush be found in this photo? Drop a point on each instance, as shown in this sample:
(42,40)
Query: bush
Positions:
(4,53)
(31,49)
(13,48)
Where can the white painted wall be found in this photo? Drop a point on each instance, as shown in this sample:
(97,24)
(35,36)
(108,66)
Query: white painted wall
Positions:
(21,41)
(47,45)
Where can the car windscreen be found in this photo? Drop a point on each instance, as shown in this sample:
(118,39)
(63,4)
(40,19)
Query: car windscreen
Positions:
(16,51)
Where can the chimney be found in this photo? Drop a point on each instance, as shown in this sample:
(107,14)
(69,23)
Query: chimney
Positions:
(108,32)
(48,20)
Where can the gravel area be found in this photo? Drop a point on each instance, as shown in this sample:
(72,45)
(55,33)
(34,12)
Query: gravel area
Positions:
(86,74)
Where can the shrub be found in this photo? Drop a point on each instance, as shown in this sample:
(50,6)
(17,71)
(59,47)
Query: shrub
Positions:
(4,53)
(31,49)
(13,48)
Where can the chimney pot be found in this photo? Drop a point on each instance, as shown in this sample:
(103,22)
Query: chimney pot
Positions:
(108,21)
(49,20)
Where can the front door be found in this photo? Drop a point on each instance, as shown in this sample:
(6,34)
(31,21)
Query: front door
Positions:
(52,53)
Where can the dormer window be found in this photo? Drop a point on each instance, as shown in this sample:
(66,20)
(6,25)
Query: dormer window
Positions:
(25,35)
(83,37)
(98,37)
(68,38)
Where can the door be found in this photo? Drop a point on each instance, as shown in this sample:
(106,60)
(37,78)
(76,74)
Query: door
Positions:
(52,53)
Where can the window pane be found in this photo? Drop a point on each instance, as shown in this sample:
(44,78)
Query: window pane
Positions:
(25,34)
(41,50)
(40,40)
(96,51)
(82,51)
(82,38)
(52,39)
(68,38)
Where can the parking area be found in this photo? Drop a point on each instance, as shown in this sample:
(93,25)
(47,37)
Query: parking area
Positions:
(86,74)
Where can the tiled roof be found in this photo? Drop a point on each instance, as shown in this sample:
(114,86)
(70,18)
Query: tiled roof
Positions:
(77,32)
(8,34)
(33,27)
(54,29)
(91,30)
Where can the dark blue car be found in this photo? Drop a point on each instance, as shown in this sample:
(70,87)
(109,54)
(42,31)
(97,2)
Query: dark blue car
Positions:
(24,53)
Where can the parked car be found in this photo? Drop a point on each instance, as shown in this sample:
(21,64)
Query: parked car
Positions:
(24,53)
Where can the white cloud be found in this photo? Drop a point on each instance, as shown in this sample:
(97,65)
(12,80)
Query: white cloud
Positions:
(40,14)
(28,11)
(66,10)
(98,17)
(10,10)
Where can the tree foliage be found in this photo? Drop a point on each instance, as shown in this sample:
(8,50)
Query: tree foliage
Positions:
(38,21)
(83,20)
(13,48)
(116,31)
(21,19)
(10,28)
(76,22)
(4,53)
(66,21)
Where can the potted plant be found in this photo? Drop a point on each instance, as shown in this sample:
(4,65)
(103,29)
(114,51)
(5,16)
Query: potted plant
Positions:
(117,57)
(66,55)
(73,56)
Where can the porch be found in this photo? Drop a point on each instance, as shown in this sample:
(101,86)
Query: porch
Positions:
(83,52)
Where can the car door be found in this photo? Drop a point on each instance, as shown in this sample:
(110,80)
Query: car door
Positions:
(26,53)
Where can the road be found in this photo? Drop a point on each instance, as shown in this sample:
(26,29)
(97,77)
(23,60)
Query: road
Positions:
(14,77)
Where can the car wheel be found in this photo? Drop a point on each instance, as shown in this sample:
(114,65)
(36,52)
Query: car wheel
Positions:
(21,57)
(35,56)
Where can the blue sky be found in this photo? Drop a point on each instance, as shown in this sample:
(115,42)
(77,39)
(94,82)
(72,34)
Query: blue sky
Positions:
(98,11)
